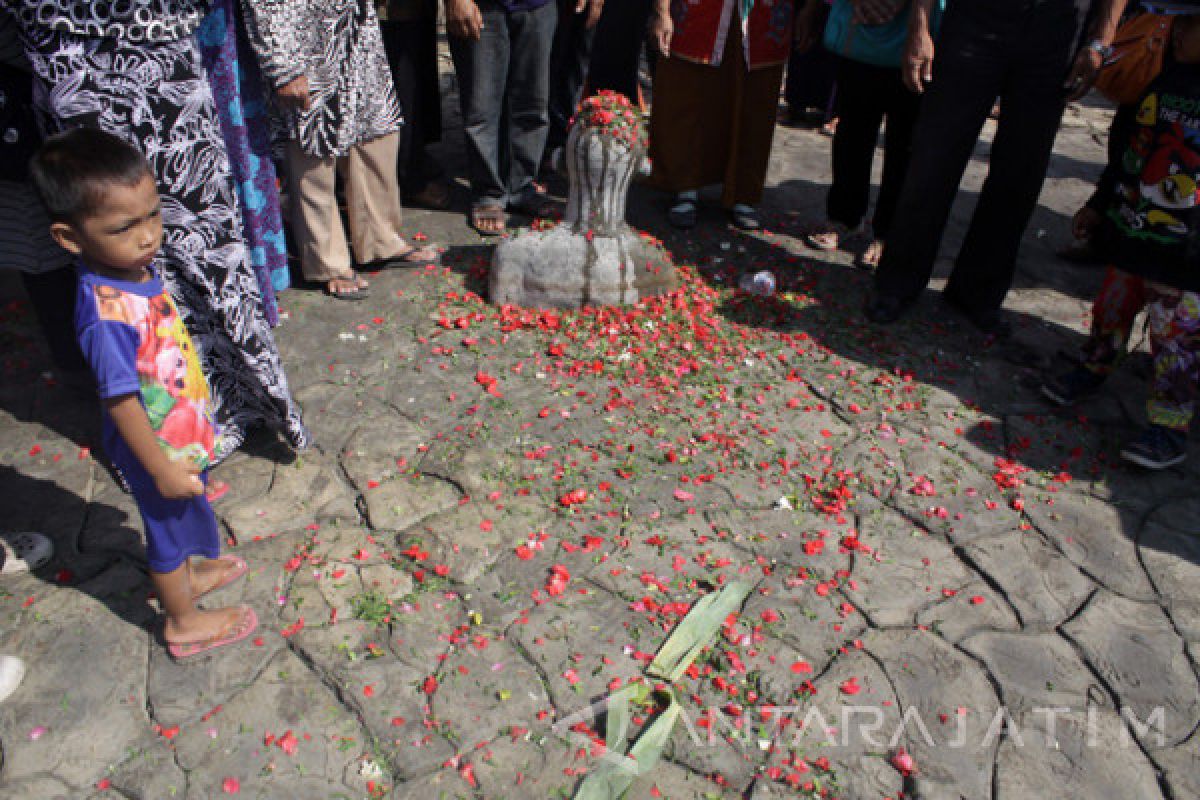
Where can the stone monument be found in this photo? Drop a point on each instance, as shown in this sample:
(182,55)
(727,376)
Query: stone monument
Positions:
(593,257)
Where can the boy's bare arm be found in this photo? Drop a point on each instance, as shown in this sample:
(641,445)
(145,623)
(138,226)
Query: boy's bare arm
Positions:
(175,480)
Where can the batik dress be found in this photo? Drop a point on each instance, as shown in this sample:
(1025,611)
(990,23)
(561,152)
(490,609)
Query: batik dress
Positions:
(241,99)
(134,340)
(133,69)
(338,46)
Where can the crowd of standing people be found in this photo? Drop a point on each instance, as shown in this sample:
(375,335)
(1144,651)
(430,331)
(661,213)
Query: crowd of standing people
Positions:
(169,119)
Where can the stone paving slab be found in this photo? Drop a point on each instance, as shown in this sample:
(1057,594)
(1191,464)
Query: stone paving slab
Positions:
(506,512)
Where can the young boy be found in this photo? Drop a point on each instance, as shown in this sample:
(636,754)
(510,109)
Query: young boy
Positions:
(1151,232)
(158,427)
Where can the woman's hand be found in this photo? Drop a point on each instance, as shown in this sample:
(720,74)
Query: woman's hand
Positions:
(918,60)
(294,94)
(662,28)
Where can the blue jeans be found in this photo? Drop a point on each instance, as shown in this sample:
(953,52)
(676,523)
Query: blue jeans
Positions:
(503,82)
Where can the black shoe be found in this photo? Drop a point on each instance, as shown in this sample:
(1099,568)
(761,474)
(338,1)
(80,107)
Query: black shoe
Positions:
(883,309)
(1157,448)
(1071,387)
(990,323)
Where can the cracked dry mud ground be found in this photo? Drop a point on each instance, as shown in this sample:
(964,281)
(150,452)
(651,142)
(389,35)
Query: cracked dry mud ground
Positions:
(955,549)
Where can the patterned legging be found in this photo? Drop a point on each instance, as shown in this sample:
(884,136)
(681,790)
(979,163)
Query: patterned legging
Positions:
(157,97)
(1173,320)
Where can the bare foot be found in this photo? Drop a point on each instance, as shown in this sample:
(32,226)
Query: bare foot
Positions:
(201,625)
(209,573)
(825,236)
(488,220)
(870,257)
(347,288)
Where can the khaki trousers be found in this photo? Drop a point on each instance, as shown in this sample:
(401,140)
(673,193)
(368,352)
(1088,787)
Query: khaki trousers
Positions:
(372,207)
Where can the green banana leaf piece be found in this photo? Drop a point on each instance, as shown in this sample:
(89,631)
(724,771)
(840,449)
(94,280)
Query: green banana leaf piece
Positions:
(695,631)
(610,779)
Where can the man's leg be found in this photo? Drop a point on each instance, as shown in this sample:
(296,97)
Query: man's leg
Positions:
(483,69)
(860,115)
(1032,99)
(569,58)
(316,221)
(527,92)
(617,47)
(967,74)
(901,107)
(373,200)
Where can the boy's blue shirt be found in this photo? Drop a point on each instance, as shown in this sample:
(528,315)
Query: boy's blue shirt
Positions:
(135,343)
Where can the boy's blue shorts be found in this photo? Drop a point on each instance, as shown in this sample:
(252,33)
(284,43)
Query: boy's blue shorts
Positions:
(175,529)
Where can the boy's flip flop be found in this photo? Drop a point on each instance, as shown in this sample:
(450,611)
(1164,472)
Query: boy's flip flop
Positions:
(215,490)
(238,569)
(246,625)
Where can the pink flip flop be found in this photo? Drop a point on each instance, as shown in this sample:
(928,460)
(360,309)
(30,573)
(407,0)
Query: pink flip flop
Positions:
(216,490)
(238,570)
(243,628)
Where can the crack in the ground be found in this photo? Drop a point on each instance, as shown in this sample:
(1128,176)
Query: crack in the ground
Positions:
(965,558)
(148,707)
(1114,697)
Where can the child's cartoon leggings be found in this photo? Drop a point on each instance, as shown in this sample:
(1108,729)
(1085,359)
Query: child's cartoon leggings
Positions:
(1173,319)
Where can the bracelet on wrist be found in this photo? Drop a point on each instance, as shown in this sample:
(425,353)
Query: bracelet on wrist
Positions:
(1098,46)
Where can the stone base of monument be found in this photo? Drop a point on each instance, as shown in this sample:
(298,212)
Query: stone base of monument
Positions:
(563,268)
(593,258)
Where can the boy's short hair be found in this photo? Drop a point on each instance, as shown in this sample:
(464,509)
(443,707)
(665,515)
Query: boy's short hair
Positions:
(72,169)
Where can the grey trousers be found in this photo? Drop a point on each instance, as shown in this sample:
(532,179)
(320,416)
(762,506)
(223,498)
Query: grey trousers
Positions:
(503,81)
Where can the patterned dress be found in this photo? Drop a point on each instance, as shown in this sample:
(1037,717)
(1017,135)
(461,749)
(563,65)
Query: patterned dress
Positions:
(241,99)
(114,66)
(337,45)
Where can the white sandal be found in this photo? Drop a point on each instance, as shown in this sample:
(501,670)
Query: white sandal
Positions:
(24,552)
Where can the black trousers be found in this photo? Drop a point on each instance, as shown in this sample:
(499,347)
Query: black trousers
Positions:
(866,95)
(1019,52)
(411,47)
(811,80)
(568,69)
(617,48)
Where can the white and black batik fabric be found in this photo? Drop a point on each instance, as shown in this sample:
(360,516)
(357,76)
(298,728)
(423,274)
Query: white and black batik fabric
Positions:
(338,46)
(131,21)
(158,98)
